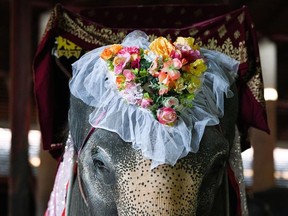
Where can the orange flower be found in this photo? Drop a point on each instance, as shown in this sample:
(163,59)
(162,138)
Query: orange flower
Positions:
(161,46)
(116,48)
(110,51)
(120,81)
(164,78)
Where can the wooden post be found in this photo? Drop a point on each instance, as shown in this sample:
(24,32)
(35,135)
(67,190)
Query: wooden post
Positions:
(264,144)
(21,196)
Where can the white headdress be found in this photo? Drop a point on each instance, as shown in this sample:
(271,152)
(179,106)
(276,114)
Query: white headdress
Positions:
(93,84)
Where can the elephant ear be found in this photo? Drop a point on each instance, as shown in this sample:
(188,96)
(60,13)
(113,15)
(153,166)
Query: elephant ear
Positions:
(79,121)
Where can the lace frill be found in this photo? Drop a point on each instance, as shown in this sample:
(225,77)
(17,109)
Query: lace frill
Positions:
(162,144)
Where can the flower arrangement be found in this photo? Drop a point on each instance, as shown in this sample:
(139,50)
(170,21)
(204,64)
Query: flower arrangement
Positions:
(163,79)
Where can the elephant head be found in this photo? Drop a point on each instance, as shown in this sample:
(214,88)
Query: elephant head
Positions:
(116,178)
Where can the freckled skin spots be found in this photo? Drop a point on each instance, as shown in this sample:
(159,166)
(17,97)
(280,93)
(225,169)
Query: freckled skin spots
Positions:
(117,180)
(162,191)
(138,190)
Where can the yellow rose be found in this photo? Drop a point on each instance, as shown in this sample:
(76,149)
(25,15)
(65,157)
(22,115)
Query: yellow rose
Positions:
(198,67)
(194,84)
(180,85)
(188,41)
(161,46)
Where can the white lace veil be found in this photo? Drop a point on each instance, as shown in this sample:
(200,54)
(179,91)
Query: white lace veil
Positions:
(160,143)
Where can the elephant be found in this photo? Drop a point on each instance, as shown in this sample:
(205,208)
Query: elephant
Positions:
(118,180)
(113,177)
(110,177)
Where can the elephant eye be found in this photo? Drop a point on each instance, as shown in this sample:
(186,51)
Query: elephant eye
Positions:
(102,166)
(99,164)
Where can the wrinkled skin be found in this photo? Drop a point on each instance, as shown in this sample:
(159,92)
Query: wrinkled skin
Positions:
(117,180)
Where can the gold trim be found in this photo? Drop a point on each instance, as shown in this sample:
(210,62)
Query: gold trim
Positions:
(238,53)
(102,36)
(90,33)
(255,84)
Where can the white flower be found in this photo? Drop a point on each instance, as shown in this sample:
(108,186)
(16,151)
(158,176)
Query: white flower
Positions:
(171,102)
(150,56)
(133,93)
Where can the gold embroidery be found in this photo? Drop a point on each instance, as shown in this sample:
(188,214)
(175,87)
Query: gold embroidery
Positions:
(238,53)
(100,36)
(51,21)
(228,17)
(227,46)
(90,33)
(255,85)
(152,37)
(241,17)
(222,31)
(66,48)
(168,36)
(212,44)
(104,36)
(193,32)
(236,34)
(177,32)
(207,32)
(243,56)
(68,53)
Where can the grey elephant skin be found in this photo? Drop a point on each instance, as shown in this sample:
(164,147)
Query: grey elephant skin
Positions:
(114,179)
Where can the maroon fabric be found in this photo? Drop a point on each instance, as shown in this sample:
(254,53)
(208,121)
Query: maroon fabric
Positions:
(234,193)
(214,26)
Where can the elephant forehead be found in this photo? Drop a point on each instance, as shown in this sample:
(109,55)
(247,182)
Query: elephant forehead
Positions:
(167,190)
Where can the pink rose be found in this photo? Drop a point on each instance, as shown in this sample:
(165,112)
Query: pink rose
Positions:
(120,62)
(173,64)
(129,75)
(135,63)
(174,74)
(131,50)
(191,55)
(176,63)
(176,54)
(146,102)
(167,116)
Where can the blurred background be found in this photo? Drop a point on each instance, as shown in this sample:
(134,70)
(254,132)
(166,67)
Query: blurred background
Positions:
(22,24)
